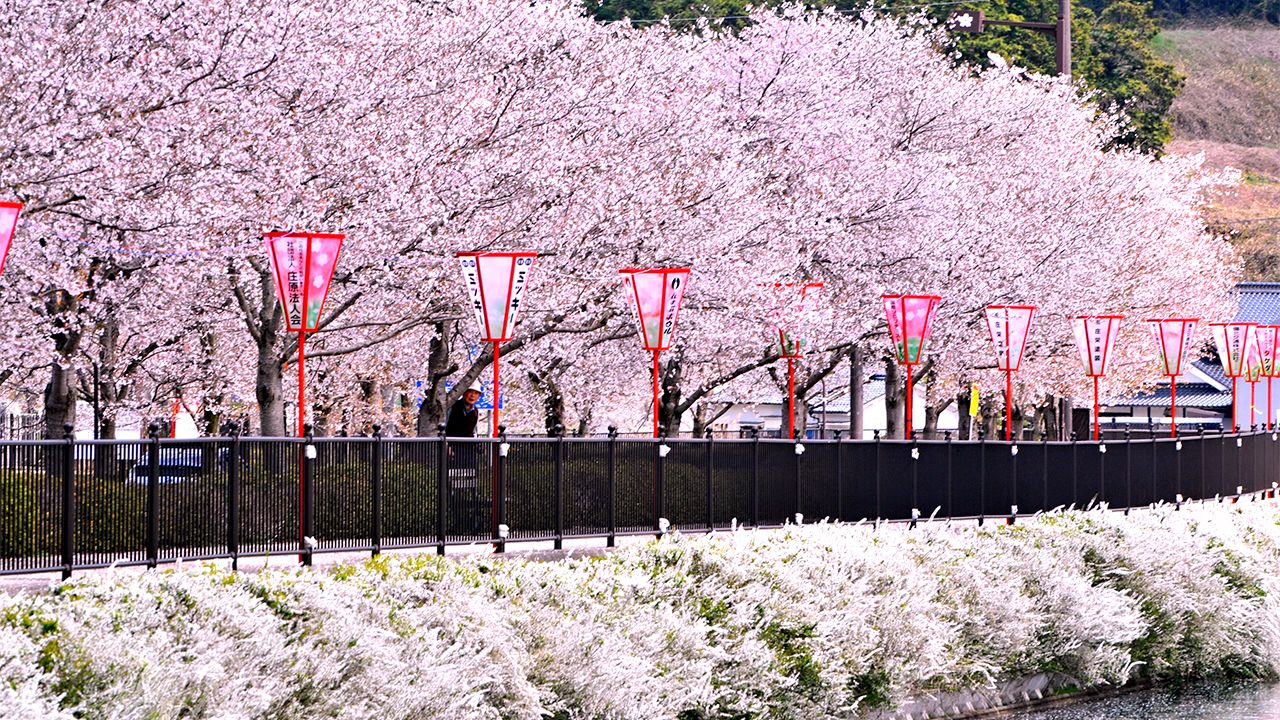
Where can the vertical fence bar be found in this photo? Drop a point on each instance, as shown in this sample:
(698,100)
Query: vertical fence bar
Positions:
(153,495)
(308,494)
(1155,490)
(1044,476)
(1203,486)
(559,479)
(375,471)
(755,477)
(711,517)
(1013,482)
(612,538)
(1075,472)
(500,467)
(795,459)
(950,478)
(982,473)
(877,453)
(1128,470)
(233,499)
(839,481)
(915,478)
(659,480)
(68,501)
(442,494)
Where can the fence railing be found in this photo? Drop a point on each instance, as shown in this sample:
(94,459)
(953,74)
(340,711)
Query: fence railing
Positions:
(67,505)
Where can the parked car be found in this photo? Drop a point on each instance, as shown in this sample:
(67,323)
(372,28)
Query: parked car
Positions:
(176,464)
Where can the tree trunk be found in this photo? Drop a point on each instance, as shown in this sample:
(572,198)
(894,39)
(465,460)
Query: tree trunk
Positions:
(931,413)
(893,393)
(269,388)
(435,399)
(857,392)
(962,408)
(669,403)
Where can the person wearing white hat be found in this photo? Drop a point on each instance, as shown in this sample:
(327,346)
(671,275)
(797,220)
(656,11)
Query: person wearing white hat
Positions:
(463,416)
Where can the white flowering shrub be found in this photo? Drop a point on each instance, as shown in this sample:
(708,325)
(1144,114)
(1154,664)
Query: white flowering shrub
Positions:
(813,621)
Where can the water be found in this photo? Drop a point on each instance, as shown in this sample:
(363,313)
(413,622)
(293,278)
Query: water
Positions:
(1195,702)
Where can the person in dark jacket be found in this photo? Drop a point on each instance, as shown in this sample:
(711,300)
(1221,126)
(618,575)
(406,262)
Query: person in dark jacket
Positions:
(466,511)
(463,415)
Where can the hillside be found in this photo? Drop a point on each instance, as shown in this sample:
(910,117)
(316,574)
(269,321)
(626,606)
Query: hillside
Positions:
(1230,110)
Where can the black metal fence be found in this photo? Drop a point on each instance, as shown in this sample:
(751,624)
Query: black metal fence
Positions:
(68,504)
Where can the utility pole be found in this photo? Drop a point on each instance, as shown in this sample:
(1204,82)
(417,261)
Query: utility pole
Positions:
(974,21)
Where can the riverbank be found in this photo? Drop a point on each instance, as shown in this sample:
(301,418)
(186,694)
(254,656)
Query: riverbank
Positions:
(806,622)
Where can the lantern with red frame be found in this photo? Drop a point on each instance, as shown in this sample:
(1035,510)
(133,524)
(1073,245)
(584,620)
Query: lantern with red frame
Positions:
(496,282)
(656,294)
(302,264)
(1095,338)
(8,222)
(1233,340)
(1009,326)
(910,319)
(1268,336)
(1253,372)
(788,314)
(1173,336)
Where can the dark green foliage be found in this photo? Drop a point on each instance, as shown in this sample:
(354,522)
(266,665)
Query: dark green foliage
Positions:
(1111,47)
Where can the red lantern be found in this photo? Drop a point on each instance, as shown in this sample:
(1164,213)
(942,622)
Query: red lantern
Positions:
(1233,340)
(302,264)
(657,294)
(496,282)
(1173,337)
(1268,338)
(1009,326)
(910,320)
(1095,338)
(8,221)
(792,347)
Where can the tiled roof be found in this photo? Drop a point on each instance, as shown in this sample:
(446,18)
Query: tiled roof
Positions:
(1259,302)
(873,390)
(1201,395)
(1213,370)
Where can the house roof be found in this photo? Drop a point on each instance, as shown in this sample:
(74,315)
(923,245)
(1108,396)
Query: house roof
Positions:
(873,390)
(1201,395)
(1258,302)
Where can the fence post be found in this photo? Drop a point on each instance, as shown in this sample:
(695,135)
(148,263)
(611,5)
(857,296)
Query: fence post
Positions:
(1044,475)
(1202,465)
(947,436)
(559,510)
(1013,482)
(982,473)
(797,448)
(68,501)
(611,540)
(755,477)
(442,493)
(153,496)
(1128,470)
(233,498)
(375,469)
(915,477)
(308,494)
(1102,470)
(1151,437)
(839,480)
(500,530)
(876,438)
(1075,472)
(659,480)
(711,517)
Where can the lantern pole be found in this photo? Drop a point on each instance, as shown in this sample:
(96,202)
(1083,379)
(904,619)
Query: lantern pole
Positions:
(1008,405)
(302,380)
(1253,395)
(1173,404)
(1235,420)
(1097,412)
(494,399)
(656,401)
(1269,413)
